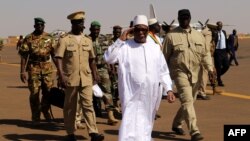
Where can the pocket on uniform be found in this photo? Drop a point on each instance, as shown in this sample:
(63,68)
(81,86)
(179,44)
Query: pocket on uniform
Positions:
(88,71)
(200,48)
(70,51)
(86,47)
(35,69)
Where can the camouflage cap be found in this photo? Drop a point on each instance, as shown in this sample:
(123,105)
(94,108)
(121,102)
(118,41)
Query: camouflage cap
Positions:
(76,15)
(39,20)
(95,23)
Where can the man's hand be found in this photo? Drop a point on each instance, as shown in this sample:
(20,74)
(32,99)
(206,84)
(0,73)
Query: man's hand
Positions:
(125,33)
(212,77)
(23,77)
(62,82)
(97,79)
(170,96)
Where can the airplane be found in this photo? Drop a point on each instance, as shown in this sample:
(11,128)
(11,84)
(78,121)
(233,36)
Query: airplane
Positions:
(196,25)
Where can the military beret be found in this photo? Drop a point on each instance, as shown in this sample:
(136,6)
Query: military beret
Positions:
(184,12)
(76,15)
(117,27)
(39,20)
(95,23)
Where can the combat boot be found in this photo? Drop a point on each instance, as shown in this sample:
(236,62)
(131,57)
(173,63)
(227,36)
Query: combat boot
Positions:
(117,107)
(111,119)
(47,116)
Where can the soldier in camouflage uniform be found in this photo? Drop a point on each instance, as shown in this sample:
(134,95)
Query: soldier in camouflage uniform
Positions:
(35,52)
(100,45)
(117,30)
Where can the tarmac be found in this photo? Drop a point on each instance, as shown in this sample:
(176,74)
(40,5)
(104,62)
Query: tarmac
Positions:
(232,106)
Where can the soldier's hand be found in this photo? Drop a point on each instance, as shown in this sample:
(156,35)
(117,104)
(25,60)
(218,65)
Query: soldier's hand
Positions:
(62,82)
(170,96)
(23,77)
(212,76)
(97,79)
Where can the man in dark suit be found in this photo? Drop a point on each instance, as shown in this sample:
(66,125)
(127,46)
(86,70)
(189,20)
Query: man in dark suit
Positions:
(221,60)
(233,44)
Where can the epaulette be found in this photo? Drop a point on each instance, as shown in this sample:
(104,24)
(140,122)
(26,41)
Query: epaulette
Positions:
(87,36)
(63,35)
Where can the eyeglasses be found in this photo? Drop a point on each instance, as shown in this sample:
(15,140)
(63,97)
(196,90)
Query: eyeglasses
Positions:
(140,29)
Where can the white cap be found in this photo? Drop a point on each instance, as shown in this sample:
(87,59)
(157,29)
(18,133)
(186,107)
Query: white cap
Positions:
(140,19)
(97,91)
(152,21)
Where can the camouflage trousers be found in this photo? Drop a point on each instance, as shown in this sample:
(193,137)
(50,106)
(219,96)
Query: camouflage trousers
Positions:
(114,87)
(37,83)
(105,85)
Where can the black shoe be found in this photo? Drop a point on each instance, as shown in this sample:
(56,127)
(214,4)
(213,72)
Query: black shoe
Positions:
(203,97)
(96,137)
(71,137)
(178,131)
(47,116)
(197,137)
(221,84)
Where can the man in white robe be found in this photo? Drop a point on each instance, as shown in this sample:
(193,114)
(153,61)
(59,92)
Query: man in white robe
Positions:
(142,67)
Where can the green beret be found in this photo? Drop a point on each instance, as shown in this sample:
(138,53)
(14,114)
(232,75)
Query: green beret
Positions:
(39,20)
(95,23)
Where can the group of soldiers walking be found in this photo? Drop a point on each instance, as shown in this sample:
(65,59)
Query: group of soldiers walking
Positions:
(80,64)
(37,51)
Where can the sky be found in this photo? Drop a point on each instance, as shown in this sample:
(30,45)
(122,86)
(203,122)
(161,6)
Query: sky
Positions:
(17,16)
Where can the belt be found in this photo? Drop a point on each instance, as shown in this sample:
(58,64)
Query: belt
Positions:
(39,59)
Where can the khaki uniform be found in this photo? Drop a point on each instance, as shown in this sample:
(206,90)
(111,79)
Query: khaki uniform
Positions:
(185,53)
(75,58)
(37,50)
(204,73)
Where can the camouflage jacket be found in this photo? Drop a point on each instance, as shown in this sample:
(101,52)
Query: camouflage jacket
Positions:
(100,45)
(38,50)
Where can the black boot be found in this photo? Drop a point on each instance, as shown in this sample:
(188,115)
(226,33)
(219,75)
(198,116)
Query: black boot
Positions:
(96,137)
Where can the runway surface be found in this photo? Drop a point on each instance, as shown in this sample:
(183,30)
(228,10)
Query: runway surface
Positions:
(232,106)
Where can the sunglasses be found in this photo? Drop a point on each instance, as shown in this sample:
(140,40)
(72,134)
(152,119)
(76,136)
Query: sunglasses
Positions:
(136,29)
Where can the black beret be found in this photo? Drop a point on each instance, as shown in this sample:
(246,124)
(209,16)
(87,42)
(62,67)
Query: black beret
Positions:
(117,27)
(184,12)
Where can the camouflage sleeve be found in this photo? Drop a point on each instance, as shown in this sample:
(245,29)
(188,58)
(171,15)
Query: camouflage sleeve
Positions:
(24,48)
(53,41)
